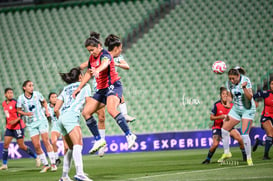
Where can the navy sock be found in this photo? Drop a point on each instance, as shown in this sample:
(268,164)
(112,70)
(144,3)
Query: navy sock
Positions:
(268,143)
(5,156)
(93,127)
(210,154)
(243,154)
(31,153)
(122,124)
(261,142)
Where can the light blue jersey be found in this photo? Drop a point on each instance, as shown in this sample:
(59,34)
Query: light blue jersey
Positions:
(237,91)
(69,103)
(52,114)
(33,105)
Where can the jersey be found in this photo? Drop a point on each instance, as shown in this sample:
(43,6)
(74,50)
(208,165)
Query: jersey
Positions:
(217,110)
(11,114)
(33,105)
(237,91)
(71,104)
(52,114)
(268,102)
(108,76)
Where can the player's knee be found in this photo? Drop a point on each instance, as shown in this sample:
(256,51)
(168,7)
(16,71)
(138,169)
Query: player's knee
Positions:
(86,114)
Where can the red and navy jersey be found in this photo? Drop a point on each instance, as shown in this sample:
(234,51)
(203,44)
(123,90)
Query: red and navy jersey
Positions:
(108,76)
(268,102)
(217,110)
(11,114)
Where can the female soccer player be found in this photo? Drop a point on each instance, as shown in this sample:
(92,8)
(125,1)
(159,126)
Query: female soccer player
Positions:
(240,88)
(30,106)
(14,129)
(102,67)
(69,121)
(266,119)
(219,112)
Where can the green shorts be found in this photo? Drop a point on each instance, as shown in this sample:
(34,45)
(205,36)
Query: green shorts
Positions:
(68,121)
(38,127)
(55,127)
(242,113)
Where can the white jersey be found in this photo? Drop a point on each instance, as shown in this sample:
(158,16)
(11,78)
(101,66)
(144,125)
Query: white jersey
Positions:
(71,104)
(237,91)
(52,114)
(33,105)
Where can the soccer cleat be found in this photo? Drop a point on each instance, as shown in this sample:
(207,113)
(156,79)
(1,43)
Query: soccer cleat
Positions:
(65,179)
(45,169)
(102,151)
(4,167)
(97,145)
(58,162)
(256,144)
(38,162)
(131,139)
(224,157)
(206,161)
(54,168)
(249,162)
(129,119)
(266,158)
(82,178)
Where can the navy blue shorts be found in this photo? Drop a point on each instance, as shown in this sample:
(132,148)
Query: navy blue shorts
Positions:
(17,133)
(217,132)
(114,89)
(264,119)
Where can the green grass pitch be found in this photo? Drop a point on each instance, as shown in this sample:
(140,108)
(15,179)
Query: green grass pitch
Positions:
(152,166)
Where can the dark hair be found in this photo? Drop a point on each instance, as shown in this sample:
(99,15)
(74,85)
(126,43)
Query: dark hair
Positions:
(112,41)
(8,89)
(93,40)
(222,89)
(50,94)
(72,76)
(25,84)
(240,69)
(233,72)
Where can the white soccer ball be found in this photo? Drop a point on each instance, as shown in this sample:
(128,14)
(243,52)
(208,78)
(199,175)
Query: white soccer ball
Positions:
(219,67)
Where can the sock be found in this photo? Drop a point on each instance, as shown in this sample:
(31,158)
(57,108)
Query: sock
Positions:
(67,163)
(243,153)
(102,133)
(31,152)
(77,156)
(123,108)
(56,155)
(43,159)
(93,127)
(261,142)
(225,140)
(51,156)
(122,124)
(268,143)
(247,144)
(5,156)
(210,154)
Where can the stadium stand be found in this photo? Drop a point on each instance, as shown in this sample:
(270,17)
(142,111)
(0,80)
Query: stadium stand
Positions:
(170,86)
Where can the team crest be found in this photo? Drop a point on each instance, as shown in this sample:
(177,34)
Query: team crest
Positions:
(10,107)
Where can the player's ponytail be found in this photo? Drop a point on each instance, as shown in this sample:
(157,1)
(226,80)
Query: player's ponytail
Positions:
(93,40)
(72,76)
(112,41)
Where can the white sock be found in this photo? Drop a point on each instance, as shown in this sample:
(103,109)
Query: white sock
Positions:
(123,108)
(247,144)
(51,156)
(67,163)
(56,155)
(225,140)
(77,156)
(102,133)
(43,159)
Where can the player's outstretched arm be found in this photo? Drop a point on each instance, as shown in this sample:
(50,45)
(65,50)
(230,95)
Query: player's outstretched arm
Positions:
(84,65)
(123,64)
(87,76)
(57,107)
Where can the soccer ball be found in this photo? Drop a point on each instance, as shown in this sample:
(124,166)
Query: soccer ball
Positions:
(219,67)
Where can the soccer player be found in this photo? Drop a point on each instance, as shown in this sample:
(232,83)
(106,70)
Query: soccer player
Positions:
(219,112)
(14,129)
(29,105)
(266,120)
(240,89)
(102,67)
(55,129)
(69,121)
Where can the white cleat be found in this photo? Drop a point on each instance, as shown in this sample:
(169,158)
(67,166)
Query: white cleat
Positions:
(97,145)
(129,119)
(102,151)
(65,179)
(4,167)
(54,168)
(131,139)
(82,178)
